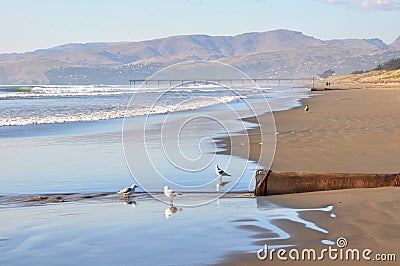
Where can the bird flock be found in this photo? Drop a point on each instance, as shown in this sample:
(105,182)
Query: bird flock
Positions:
(171,194)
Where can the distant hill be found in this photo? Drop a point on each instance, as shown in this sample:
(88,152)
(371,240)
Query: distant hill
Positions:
(393,64)
(396,43)
(278,53)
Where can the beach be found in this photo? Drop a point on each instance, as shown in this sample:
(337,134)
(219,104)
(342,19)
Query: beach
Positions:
(344,131)
(198,132)
(366,218)
(61,170)
(107,229)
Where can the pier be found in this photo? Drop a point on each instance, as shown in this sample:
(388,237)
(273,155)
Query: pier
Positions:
(171,82)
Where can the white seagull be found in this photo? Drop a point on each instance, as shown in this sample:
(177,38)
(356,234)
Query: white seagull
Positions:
(307,108)
(128,190)
(221,172)
(170,194)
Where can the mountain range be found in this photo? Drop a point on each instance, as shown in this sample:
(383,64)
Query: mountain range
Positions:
(271,54)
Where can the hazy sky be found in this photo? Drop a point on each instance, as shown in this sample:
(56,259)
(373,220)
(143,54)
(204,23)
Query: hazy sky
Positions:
(28,25)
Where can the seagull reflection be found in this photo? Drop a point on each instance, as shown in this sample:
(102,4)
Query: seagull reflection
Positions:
(221,184)
(132,203)
(170,211)
(128,201)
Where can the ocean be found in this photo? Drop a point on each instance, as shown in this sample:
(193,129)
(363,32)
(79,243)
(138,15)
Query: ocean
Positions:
(84,143)
(86,139)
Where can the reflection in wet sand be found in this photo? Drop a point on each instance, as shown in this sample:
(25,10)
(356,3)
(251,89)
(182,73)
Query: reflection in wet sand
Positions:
(273,227)
(221,184)
(128,201)
(170,211)
(33,225)
(45,199)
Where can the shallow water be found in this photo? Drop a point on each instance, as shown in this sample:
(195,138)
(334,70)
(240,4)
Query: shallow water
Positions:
(81,164)
(87,157)
(110,230)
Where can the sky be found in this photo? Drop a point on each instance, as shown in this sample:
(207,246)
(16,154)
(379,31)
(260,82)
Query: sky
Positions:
(28,25)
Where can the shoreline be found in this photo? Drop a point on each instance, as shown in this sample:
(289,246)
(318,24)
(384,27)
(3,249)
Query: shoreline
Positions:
(197,235)
(94,144)
(344,131)
(241,217)
(34,200)
(352,130)
(356,212)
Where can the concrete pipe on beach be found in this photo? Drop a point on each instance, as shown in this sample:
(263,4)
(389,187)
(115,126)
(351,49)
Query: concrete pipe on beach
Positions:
(274,183)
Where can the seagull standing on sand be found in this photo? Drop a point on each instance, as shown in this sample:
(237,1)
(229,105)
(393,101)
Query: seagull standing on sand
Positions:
(307,108)
(220,172)
(170,194)
(128,190)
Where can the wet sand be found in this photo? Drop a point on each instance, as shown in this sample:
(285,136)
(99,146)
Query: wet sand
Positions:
(345,131)
(352,130)
(366,218)
(107,229)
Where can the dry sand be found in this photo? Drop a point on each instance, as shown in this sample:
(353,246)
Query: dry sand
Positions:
(344,131)
(354,130)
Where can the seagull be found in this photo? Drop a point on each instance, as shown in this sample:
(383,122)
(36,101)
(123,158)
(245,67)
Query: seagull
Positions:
(128,190)
(170,194)
(307,108)
(220,172)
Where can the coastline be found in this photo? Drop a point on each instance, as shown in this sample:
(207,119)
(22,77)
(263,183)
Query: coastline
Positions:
(92,145)
(344,131)
(366,218)
(247,220)
(352,130)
